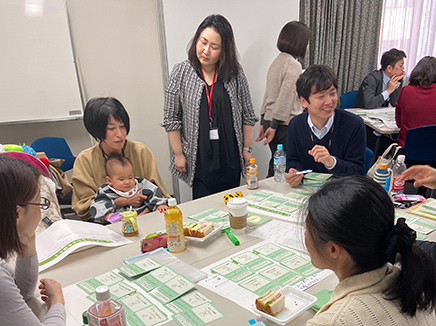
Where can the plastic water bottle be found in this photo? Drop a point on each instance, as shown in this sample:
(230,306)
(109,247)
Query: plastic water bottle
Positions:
(381,174)
(106,311)
(252,175)
(279,164)
(174,226)
(399,167)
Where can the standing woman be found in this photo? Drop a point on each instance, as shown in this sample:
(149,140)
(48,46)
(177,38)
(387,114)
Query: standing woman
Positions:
(281,102)
(208,112)
(20,214)
(351,229)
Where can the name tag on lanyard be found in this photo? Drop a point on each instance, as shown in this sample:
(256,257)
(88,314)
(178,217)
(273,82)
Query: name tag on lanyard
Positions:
(213,132)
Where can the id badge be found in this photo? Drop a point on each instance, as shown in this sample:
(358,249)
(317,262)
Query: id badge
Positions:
(213,134)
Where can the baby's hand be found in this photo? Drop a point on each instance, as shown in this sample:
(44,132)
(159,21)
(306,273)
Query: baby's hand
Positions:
(162,208)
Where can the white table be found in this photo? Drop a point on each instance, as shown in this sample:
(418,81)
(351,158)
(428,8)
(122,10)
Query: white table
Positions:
(97,260)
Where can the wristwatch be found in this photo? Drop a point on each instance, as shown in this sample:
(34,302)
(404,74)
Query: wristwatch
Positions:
(248,149)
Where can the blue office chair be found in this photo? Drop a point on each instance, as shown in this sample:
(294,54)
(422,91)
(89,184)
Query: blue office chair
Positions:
(55,147)
(420,144)
(347,99)
(368,158)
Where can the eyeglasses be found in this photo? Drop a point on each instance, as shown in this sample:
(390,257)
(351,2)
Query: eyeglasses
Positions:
(44,204)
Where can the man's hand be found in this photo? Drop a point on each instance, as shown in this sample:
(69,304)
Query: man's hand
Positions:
(292,178)
(394,82)
(322,155)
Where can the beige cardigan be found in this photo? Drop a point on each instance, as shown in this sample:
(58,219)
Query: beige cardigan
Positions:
(281,101)
(359,300)
(89,173)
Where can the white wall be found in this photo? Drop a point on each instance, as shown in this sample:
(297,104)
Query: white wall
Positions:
(117,43)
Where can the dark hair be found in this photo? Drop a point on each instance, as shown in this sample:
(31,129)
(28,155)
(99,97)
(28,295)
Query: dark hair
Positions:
(293,39)
(227,65)
(108,164)
(356,213)
(19,182)
(319,76)
(391,57)
(424,73)
(97,113)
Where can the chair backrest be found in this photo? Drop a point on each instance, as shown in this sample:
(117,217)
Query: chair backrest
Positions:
(347,99)
(29,159)
(368,157)
(55,147)
(420,143)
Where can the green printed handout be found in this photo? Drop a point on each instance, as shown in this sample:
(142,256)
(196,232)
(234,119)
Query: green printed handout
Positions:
(258,284)
(299,194)
(139,267)
(273,201)
(273,251)
(281,275)
(108,279)
(140,311)
(258,196)
(155,278)
(211,214)
(423,225)
(232,271)
(289,207)
(198,316)
(117,290)
(315,178)
(187,301)
(172,289)
(300,265)
(251,260)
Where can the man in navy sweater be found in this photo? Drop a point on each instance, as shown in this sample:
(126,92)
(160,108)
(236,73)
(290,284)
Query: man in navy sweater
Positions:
(323,138)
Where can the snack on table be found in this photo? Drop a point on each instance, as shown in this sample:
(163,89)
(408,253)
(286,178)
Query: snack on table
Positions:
(198,229)
(271,303)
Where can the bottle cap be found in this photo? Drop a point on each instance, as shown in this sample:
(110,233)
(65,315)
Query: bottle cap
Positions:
(172,202)
(280,146)
(383,166)
(401,158)
(252,160)
(102,293)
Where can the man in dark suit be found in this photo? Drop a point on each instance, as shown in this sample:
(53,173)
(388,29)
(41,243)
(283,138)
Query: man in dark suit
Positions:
(382,87)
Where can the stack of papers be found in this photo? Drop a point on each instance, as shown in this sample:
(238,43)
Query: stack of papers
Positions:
(426,209)
(316,179)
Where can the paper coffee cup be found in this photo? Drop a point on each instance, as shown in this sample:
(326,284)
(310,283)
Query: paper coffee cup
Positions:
(237,208)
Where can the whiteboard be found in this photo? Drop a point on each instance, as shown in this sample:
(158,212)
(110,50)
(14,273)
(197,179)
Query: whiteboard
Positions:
(256,25)
(38,80)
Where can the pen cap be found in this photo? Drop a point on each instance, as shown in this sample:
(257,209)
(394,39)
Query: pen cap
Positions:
(237,206)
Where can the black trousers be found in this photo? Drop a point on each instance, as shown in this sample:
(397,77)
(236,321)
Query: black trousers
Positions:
(279,138)
(200,189)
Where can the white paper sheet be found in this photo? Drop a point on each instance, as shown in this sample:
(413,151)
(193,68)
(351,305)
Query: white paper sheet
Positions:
(66,236)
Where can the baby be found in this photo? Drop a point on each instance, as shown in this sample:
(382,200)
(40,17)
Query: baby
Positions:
(114,196)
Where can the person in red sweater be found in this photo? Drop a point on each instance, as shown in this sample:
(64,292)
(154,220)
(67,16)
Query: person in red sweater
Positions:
(416,104)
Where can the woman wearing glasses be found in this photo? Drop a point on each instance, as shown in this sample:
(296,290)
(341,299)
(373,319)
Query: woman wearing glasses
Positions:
(20,214)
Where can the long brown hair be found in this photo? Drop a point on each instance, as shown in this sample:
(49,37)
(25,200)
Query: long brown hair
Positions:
(19,182)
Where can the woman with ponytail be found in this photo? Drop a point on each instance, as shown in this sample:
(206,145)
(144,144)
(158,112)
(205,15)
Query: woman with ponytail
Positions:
(384,278)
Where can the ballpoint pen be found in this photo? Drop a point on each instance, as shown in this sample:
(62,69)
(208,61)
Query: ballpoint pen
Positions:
(232,237)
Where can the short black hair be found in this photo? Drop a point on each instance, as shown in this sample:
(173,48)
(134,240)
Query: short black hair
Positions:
(319,76)
(391,57)
(117,158)
(97,113)
(424,73)
(227,65)
(294,38)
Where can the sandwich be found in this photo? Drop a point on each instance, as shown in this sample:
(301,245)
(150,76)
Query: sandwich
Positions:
(271,303)
(198,229)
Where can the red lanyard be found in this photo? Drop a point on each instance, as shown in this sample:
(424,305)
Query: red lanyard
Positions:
(209,96)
